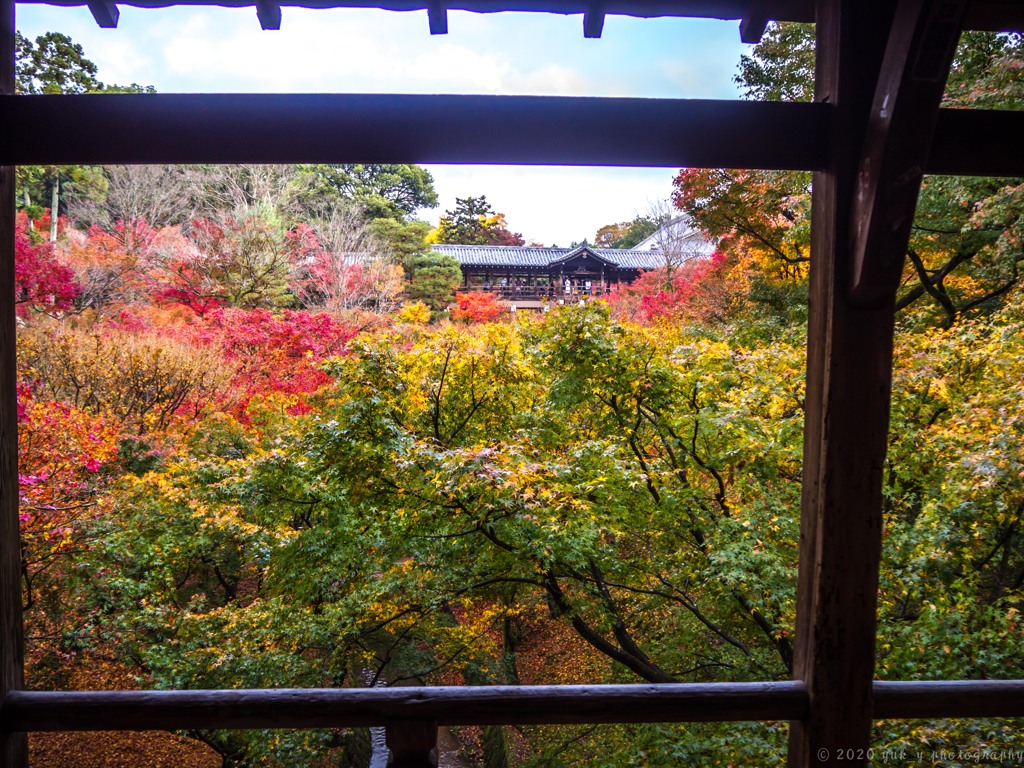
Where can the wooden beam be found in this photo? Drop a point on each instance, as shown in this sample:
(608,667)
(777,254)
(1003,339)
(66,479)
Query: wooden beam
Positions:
(105,12)
(437,17)
(593,20)
(754,22)
(903,118)
(490,705)
(849,379)
(269,14)
(952,698)
(357,708)
(144,128)
(13,745)
(168,128)
(974,142)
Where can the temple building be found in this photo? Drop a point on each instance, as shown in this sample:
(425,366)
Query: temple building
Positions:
(529,276)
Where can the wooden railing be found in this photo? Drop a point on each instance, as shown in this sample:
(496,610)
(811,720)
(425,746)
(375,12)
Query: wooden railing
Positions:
(412,715)
(552,294)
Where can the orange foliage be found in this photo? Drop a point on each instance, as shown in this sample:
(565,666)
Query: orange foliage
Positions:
(477,307)
(61,452)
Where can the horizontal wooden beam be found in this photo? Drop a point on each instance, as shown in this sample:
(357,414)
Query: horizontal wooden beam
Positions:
(973,142)
(165,128)
(953,698)
(489,705)
(348,707)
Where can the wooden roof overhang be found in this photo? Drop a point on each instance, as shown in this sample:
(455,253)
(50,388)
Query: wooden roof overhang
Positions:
(874,129)
(584,251)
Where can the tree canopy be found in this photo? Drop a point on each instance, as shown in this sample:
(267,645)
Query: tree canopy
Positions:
(474,222)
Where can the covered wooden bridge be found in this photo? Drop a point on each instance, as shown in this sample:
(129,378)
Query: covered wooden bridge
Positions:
(874,128)
(529,276)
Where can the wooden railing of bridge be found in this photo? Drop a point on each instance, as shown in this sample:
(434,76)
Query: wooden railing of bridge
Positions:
(413,715)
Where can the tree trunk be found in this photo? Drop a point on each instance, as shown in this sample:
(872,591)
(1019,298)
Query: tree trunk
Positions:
(54,205)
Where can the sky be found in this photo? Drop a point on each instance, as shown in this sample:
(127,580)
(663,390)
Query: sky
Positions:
(196,49)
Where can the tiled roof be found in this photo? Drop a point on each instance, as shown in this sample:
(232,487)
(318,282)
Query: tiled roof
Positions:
(505,256)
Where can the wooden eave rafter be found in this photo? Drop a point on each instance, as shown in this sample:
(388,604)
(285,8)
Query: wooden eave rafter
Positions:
(593,19)
(105,13)
(754,21)
(269,14)
(993,15)
(437,17)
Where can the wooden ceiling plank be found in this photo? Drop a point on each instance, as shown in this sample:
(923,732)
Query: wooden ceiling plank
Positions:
(903,118)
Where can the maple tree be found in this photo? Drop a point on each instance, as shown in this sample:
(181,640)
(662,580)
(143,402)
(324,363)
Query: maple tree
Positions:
(707,291)
(338,264)
(477,307)
(111,266)
(240,261)
(41,282)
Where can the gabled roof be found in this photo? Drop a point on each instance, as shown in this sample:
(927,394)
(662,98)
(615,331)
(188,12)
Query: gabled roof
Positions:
(511,256)
(584,250)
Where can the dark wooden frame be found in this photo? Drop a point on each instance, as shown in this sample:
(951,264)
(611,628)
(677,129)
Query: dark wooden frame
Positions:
(875,128)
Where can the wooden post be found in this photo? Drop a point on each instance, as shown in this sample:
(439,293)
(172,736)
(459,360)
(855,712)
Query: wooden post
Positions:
(13,746)
(413,743)
(849,378)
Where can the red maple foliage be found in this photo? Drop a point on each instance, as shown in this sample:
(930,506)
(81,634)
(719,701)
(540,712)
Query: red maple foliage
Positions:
(695,291)
(477,307)
(41,283)
(269,353)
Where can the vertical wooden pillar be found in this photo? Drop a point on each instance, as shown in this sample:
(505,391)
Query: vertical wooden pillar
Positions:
(849,379)
(13,746)
(412,743)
